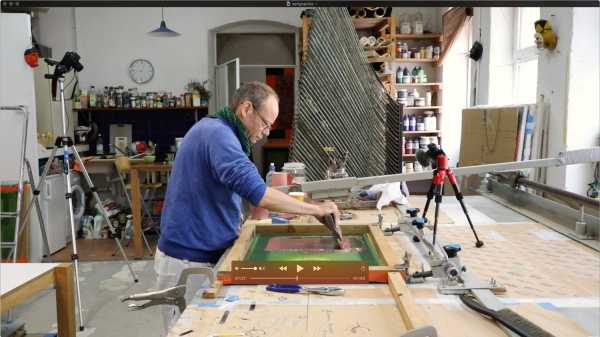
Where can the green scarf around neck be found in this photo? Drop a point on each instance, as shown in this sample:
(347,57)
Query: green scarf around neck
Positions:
(230,118)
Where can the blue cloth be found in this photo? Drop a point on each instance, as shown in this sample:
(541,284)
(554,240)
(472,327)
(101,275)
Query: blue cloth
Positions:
(202,210)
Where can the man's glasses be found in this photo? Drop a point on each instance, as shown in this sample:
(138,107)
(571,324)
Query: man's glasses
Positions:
(267,125)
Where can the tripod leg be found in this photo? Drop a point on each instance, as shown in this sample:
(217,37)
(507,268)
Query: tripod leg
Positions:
(36,200)
(100,207)
(438,201)
(40,183)
(75,255)
(429,197)
(460,197)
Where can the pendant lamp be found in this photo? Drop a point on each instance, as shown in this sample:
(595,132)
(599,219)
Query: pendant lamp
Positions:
(163,30)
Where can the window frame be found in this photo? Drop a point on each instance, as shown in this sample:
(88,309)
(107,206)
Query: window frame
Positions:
(521,55)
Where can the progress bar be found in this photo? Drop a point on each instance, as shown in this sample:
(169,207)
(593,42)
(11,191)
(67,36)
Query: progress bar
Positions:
(300,272)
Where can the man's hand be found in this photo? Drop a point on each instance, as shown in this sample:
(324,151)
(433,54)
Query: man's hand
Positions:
(329,215)
(328,207)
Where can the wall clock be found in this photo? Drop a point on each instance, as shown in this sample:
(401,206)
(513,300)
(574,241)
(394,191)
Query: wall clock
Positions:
(141,71)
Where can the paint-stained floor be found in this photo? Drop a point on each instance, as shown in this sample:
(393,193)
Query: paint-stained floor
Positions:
(102,284)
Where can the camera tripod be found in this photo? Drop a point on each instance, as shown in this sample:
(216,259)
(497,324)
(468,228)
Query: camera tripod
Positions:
(66,143)
(436,189)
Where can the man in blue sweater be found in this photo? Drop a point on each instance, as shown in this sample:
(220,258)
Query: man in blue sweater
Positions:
(201,216)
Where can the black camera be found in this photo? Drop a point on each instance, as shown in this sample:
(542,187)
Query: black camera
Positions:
(426,158)
(68,62)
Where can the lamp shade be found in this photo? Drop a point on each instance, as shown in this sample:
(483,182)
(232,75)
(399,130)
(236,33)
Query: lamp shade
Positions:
(163,30)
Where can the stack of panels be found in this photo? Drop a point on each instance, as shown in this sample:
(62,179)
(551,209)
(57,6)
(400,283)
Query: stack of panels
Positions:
(342,104)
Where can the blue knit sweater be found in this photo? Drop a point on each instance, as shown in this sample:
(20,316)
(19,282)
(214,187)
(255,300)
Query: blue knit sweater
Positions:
(202,211)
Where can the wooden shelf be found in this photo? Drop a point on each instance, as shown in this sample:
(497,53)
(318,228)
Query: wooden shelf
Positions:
(421,132)
(379,59)
(408,155)
(370,23)
(430,84)
(412,60)
(142,109)
(425,36)
(422,107)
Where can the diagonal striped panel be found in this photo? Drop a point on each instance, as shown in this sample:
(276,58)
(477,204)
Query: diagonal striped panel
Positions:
(342,104)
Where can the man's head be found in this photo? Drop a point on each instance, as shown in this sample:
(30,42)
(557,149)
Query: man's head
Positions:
(257,107)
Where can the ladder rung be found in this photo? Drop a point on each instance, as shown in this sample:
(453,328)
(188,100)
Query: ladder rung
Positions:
(7,244)
(8,214)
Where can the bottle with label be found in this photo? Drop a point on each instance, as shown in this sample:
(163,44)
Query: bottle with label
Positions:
(99,145)
(269,177)
(92,94)
(76,102)
(413,123)
(83,99)
(406,123)
(399,74)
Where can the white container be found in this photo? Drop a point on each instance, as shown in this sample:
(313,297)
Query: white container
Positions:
(428,98)
(297,170)
(418,27)
(430,123)
(429,52)
(405,28)
(408,167)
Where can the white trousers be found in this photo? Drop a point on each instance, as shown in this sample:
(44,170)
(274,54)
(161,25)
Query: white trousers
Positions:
(168,269)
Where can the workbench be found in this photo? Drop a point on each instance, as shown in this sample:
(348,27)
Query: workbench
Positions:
(538,293)
(20,281)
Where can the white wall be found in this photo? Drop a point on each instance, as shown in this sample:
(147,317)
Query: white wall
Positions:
(568,78)
(583,104)
(108,39)
(16,88)
(455,93)
(553,83)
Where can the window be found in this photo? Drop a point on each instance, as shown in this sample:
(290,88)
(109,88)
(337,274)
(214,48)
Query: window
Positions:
(525,55)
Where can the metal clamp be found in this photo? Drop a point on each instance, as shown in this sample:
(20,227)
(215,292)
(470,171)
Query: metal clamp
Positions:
(170,296)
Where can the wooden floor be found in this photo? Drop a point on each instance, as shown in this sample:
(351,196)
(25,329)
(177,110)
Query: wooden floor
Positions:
(99,250)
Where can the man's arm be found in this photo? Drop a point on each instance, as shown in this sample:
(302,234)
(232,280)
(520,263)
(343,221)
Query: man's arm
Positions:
(278,201)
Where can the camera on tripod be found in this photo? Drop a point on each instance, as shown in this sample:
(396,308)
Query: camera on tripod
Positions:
(429,157)
(68,62)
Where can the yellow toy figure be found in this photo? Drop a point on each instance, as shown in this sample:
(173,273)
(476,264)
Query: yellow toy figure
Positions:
(544,36)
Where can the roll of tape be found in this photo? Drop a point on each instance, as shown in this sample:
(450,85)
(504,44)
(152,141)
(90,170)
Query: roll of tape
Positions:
(379,12)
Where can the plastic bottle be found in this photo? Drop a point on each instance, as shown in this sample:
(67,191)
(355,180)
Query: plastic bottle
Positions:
(92,94)
(413,123)
(399,73)
(269,177)
(99,145)
(406,123)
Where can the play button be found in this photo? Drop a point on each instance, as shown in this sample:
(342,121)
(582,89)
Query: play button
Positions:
(299,268)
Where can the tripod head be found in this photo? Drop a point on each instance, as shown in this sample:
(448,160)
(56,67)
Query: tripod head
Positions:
(68,62)
(434,156)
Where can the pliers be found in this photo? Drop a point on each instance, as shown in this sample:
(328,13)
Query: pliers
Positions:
(170,296)
(295,288)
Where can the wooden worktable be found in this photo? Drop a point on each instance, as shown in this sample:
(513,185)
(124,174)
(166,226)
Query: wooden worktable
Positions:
(20,281)
(370,309)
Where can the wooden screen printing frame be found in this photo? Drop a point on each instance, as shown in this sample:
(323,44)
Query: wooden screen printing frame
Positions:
(412,314)
(240,248)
